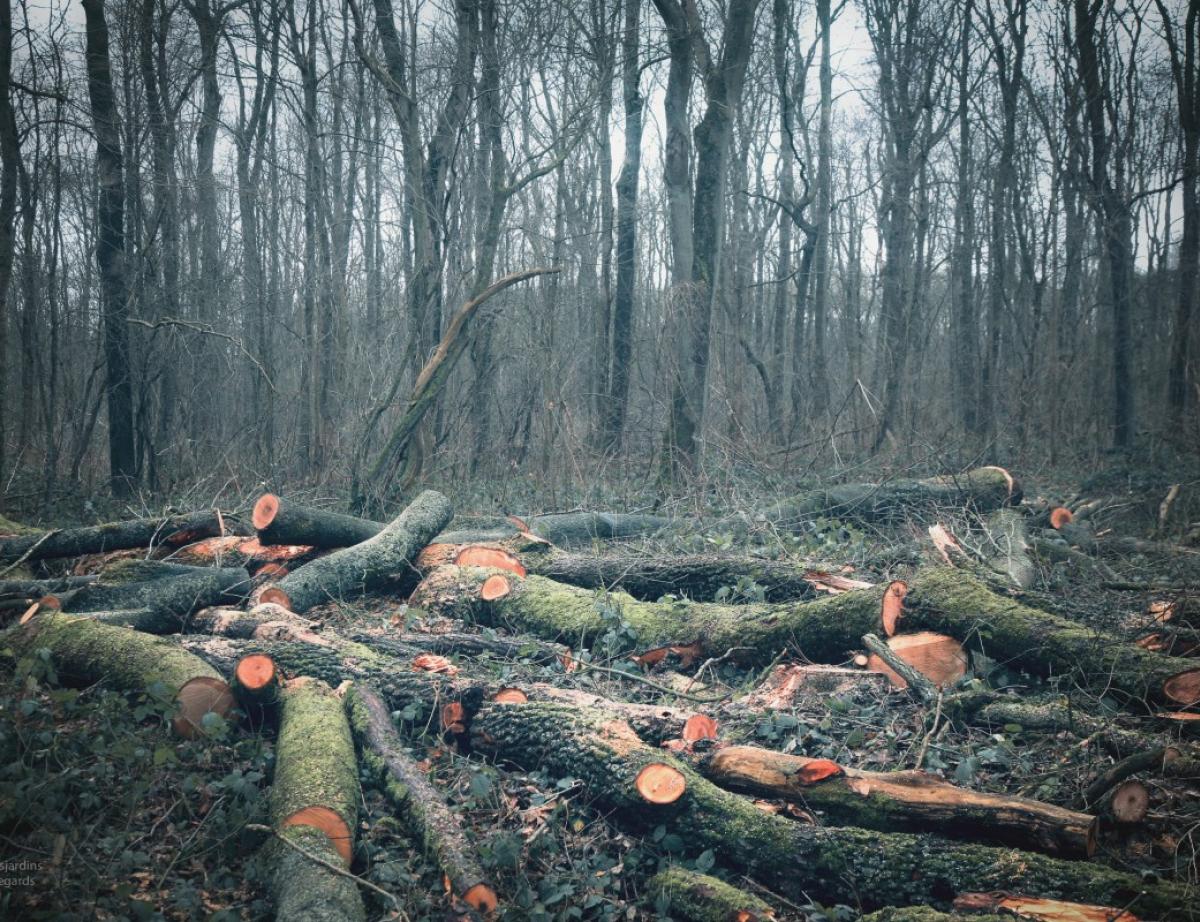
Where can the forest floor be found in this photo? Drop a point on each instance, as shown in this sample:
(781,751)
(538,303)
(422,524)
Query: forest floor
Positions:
(104,816)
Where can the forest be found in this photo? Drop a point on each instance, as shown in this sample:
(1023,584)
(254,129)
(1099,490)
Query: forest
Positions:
(615,459)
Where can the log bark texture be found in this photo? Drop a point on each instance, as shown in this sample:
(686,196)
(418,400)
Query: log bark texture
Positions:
(423,807)
(983,489)
(96,539)
(302,889)
(368,565)
(825,630)
(165,602)
(902,801)
(703,898)
(280,521)
(84,651)
(316,774)
(804,862)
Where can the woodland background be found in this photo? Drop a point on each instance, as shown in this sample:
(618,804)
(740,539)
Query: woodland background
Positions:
(232,233)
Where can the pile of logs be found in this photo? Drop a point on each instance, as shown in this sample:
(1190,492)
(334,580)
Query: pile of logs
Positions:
(226,620)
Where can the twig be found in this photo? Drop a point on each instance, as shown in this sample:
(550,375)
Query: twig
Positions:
(258,827)
(712,662)
(207,331)
(24,557)
(937,716)
(655,685)
(917,683)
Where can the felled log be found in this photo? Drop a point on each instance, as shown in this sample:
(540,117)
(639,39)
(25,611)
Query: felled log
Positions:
(36,588)
(265,620)
(1149,760)
(825,630)
(418,694)
(455,643)
(423,808)
(901,801)
(799,861)
(316,774)
(575,529)
(166,602)
(922,662)
(173,530)
(1045,910)
(279,521)
(984,489)
(237,551)
(929,914)
(697,576)
(700,897)
(305,890)
(354,570)
(84,651)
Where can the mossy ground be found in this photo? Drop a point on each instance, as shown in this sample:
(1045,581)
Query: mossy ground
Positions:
(124,821)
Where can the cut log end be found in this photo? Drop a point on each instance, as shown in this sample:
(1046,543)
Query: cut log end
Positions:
(510,696)
(255,672)
(495,587)
(480,556)
(1061,516)
(1130,802)
(28,614)
(454,718)
(699,727)
(481,897)
(271,571)
(659,783)
(1183,688)
(326,820)
(938,657)
(265,511)
(201,695)
(275,596)
(893,605)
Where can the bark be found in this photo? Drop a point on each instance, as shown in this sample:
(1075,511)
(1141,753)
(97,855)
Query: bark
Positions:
(10,163)
(422,806)
(942,600)
(280,522)
(367,565)
(316,773)
(110,250)
(164,603)
(85,652)
(702,898)
(799,861)
(649,577)
(36,588)
(569,529)
(98,539)
(903,801)
(304,891)
(984,488)
(1010,549)
(617,398)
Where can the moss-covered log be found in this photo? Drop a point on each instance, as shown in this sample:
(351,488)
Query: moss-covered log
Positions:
(575,529)
(36,588)
(983,489)
(825,630)
(84,651)
(800,861)
(419,802)
(167,600)
(316,774)
(305,890)
(901,801)
(370,564)
(418,695)
(929,914)
(687,894)
(172,530)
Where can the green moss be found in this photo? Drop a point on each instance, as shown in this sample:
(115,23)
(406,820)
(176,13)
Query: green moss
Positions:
(305,891)
(9,527)
(314,755)
(701,897)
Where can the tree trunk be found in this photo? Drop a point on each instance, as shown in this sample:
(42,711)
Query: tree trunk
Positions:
(98,539)
(902,801)
(806,862)
(367,565)
(110,251)
(702,898)
(85,651)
